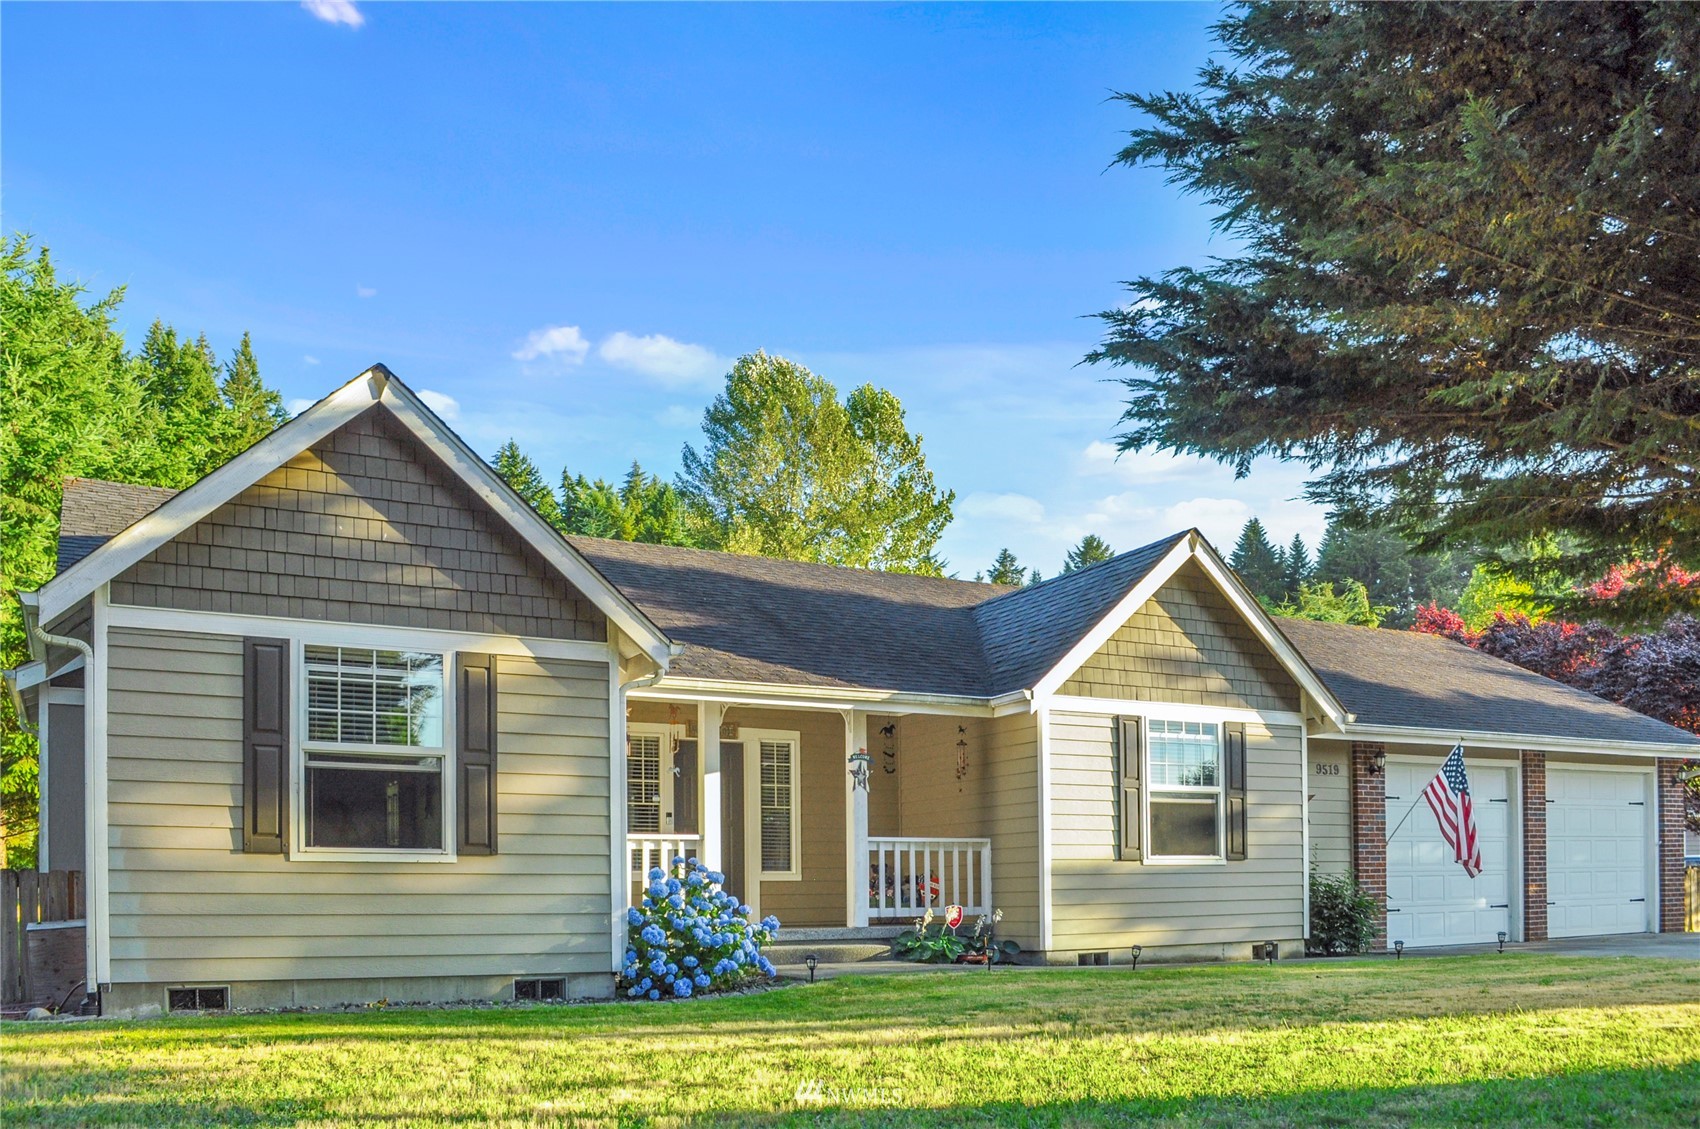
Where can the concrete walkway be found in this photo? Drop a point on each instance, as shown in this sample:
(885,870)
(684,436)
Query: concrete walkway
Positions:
(1671,946)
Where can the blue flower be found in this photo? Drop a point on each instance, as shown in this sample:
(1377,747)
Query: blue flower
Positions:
(634,991)
(770,923)
(678,901)
(672,969)
(744,910)
(633,917)
(765,965)
(690,962)
(701,980)
(656,874)
(678,860)
(682,989)
(658,891)
(674,885)
(645,984)
(693,862)
(653,935)
(655,993)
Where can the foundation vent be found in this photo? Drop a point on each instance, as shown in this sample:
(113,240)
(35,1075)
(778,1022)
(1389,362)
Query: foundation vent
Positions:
(198,999)
(549,988)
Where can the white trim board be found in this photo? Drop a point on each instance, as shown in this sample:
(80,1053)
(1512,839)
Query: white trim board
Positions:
(1530,742)
(837,699)
(336,632)
(1102,707)
(377,385)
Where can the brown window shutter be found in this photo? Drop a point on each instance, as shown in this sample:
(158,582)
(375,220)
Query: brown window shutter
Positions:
(1128,809)
(265,745)
(1234,754)
(475,753)
(685,789)
(732,817)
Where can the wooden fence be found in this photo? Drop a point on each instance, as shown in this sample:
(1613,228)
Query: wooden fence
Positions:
(29,897)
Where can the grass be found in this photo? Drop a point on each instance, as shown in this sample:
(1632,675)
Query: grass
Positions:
(1511,1040)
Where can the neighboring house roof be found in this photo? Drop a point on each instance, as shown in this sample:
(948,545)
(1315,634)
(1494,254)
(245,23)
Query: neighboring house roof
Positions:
(1406,679)
(757,619)
(91,511)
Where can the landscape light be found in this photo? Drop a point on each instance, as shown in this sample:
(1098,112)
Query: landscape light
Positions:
(1137,949)
(1271,951)
(811,960)
(1398,950)
(1502,940)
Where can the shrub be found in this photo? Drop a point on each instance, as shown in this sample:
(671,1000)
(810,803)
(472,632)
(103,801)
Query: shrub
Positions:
(689,936)
(1342,916)
(937,942)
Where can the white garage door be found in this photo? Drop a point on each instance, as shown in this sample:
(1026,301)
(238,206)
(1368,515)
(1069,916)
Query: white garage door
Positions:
(1430,900)
(1597,852)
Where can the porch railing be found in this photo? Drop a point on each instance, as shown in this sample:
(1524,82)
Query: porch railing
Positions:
(906,877)
(650,851)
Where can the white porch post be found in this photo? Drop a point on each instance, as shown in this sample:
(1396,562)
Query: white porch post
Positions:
(708,743)
(855,822)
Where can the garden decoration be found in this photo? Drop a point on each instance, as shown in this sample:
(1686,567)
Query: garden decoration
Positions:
(934,941)
(860,762)
(688,936)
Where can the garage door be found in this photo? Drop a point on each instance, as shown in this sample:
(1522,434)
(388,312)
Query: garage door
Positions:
(1597,852)
(1430,900)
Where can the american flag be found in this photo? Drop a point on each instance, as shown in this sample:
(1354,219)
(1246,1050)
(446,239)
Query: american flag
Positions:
(1448,795)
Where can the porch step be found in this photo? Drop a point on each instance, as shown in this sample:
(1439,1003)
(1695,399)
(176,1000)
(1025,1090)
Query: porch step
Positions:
(790,951)
(788,935)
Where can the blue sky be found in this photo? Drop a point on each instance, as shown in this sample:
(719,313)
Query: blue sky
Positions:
(564,220)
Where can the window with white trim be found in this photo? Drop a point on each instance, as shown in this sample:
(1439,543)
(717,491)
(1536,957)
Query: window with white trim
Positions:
(1184,792)
(373,754)
(777,805)
(643,782)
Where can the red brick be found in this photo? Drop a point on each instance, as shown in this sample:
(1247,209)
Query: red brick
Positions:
(1369,830)
(1534,846)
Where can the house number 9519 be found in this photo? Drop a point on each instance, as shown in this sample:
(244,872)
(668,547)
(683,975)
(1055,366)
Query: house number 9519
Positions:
(1328,770)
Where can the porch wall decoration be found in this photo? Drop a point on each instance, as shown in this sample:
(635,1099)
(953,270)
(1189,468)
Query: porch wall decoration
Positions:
(859,764)
(888,737)
(961,751)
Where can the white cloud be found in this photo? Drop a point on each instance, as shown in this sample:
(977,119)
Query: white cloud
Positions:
(1003,507)
(366,291)
(444,405)
(311,360)
(671,363)
(1219,519)
(296,407)
(1101,458)
(677,415)
(335,12)
(562,342)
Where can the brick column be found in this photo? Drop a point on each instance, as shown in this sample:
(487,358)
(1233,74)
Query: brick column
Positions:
(1672,819)
(1534,846)
(1369,831)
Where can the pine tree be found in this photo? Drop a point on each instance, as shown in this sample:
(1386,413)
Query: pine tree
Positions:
(1295,565)
(179,378)
(519,472)
(1005,570)
(1092,550)
(1257,561)
(252,410)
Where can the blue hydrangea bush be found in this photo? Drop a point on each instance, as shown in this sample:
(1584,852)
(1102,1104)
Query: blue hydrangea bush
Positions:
(689,936)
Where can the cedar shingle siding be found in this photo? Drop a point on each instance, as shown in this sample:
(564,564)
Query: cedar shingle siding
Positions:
(366,527)
(1188,645)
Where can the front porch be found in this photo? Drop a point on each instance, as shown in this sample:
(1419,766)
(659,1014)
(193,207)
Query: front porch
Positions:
(829,819)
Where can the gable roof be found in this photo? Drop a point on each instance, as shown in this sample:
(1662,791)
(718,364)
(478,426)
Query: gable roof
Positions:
(1028,631)
(758,619)
(1405,679)
(376,386)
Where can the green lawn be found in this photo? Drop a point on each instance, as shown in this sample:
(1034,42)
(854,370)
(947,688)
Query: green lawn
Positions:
(1507,1039)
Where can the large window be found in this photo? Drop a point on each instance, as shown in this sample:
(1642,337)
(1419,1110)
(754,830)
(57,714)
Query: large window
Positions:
(373,753)
(643,782)
(1185,765)
(777,805)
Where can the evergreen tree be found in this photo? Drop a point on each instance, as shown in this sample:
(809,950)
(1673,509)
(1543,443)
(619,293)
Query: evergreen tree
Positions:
(1320,602)
(1295,565)
(1464,272)
(179,377)
(1257,561)
(1005,570)
(1092,550)
(1035,577)
(252,410)
(519,472)
(642,508)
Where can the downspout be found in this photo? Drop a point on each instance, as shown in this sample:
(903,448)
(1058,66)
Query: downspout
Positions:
(48,639)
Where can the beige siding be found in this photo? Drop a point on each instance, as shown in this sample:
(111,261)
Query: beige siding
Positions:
(1011,815)
(188,904)
(366,527)
(1187,644)
(885,795)
(819,899)
(1328,777)
(1100,902)
(934,801)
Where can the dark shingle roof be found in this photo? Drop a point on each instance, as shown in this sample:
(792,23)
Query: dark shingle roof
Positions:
(1404,678)
(1028,631)
(92,512)
(764,620)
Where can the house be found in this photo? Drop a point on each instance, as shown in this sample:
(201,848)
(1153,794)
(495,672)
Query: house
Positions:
(345,720)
